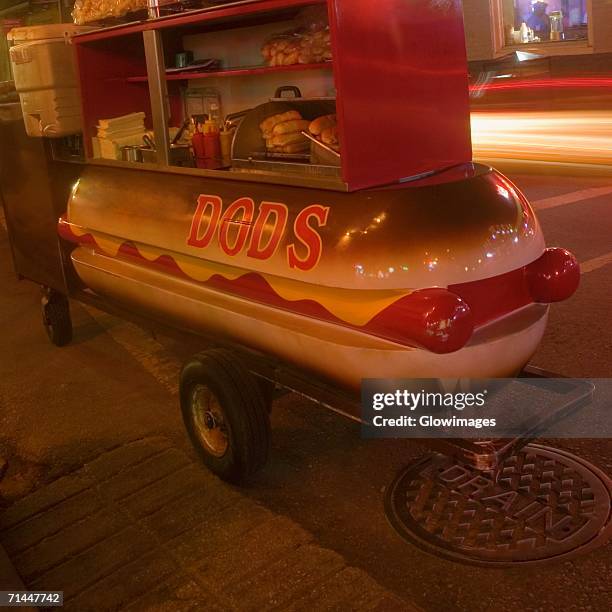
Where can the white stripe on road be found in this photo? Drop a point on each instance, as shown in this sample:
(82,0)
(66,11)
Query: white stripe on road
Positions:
(571,198)
(596,263)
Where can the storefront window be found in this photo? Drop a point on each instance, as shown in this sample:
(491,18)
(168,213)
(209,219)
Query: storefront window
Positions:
(536,21)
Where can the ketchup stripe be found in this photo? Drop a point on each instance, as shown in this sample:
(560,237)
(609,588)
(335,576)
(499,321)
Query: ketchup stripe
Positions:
(488,299)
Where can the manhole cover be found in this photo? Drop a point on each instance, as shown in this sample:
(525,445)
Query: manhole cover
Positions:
(545,504)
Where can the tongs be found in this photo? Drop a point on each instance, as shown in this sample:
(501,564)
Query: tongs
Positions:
(321,144)
(181,131)
(233,119)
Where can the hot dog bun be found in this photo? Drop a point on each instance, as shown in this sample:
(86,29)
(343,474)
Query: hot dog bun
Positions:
(267,125)
(322,123)
(330,136)
(286,127)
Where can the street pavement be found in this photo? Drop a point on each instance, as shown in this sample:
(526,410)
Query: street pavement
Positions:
(143,527)
(63,410)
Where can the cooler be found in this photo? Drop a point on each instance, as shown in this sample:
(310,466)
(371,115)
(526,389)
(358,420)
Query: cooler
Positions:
(45,78)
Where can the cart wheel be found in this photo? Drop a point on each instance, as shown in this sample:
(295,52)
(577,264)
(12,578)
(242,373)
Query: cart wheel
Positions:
(56,318)
(268,392)
(225,414)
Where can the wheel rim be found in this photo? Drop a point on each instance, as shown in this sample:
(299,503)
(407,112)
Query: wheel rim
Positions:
(209,421)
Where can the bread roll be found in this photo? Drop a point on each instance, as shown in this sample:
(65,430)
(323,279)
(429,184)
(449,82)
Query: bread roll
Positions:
(287,139)
(320,124)
(330,136)
(286,127)
(267,125)
(303,47)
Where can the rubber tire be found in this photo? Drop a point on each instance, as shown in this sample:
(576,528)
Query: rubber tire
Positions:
(245,412)
(57,320)
(268,392)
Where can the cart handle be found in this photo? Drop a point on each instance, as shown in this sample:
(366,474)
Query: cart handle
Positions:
(288,88)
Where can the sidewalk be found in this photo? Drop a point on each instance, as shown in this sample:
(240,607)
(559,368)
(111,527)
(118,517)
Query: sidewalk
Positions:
(143,527)
(9,579)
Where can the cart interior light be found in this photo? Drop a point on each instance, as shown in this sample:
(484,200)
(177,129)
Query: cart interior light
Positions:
(525,56)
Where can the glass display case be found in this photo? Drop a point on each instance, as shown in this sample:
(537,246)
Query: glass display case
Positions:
(545,28)
(539,21)
(140,73)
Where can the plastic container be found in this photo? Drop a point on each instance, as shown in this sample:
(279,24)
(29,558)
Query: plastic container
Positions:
(45,78)
(225,137)
(212,150)
(197,142)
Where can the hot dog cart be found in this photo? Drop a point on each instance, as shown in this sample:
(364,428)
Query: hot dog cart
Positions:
(385,252)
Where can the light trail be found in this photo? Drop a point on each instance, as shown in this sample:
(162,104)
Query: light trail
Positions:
(573,83)
(570,137)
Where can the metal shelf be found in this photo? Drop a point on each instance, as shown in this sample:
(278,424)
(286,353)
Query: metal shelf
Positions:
(230,72)
(236,174)
(225,16)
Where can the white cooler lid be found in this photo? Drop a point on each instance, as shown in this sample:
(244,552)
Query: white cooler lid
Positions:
(46,32)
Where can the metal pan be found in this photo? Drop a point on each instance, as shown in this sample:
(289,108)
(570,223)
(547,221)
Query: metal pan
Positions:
(320,153)
(249,148)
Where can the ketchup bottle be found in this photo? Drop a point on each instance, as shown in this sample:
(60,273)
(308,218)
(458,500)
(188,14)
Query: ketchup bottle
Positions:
(197,143)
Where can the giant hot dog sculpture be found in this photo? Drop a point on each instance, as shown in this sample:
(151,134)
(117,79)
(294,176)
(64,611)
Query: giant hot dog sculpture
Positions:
(445,277)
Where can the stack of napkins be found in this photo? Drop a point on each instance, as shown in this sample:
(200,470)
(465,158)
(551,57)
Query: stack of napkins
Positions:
(118,132)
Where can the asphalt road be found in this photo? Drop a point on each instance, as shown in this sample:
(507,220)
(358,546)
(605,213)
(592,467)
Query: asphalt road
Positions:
(115,383)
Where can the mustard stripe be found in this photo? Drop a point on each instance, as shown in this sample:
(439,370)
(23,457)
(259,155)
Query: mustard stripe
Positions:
(353,306)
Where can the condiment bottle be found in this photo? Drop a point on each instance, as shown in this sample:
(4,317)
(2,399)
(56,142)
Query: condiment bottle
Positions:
(197,143)
(214,114)
(226,136)
(212,144)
